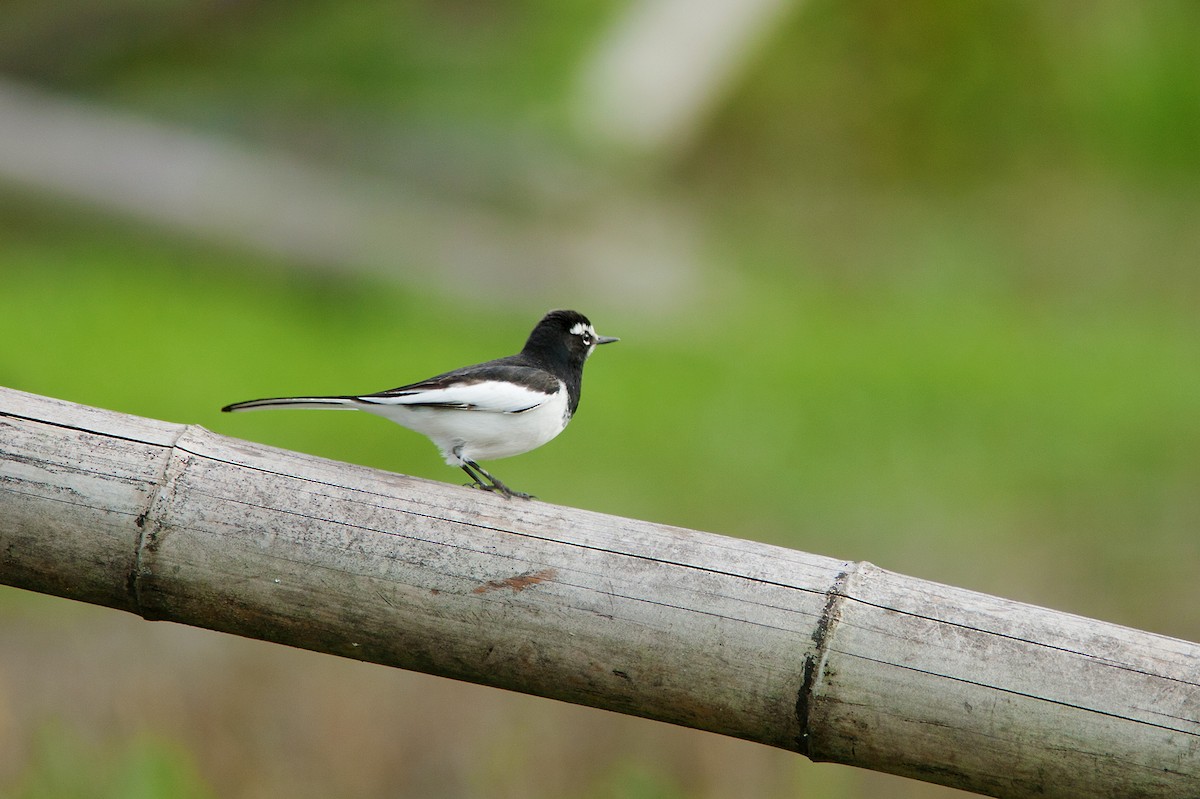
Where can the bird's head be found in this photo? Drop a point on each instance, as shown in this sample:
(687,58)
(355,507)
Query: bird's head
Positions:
(565,336)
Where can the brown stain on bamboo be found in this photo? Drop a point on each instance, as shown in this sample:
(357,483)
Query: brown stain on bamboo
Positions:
(517,583)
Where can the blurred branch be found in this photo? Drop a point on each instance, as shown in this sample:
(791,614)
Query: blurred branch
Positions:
(840,661)
(617,251)
(657,74)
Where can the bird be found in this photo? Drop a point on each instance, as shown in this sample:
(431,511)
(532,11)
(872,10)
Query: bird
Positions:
(497,409)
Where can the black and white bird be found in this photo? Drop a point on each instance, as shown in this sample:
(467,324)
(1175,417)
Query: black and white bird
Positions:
(491,410)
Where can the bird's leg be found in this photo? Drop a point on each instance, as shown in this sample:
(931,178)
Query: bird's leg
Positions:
(473,471)
(476,480)
(496,484)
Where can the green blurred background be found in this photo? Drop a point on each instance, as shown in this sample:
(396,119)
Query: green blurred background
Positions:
(913,283)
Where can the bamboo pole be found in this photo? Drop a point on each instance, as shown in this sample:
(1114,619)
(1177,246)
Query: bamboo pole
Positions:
(839,661)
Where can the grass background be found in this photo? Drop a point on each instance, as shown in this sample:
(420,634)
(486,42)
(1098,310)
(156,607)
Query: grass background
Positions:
(949,326)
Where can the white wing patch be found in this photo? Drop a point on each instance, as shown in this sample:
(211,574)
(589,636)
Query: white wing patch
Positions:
(491,396)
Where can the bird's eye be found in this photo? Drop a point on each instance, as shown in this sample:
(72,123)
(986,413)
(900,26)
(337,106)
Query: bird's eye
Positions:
(587,339)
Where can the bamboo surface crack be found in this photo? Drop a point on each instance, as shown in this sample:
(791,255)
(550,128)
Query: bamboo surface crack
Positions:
(814,663)
(1028,694)
(152,523)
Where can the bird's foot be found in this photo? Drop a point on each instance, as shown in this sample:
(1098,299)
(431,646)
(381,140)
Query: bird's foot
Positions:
(508,492)
(501,489)
(478,475)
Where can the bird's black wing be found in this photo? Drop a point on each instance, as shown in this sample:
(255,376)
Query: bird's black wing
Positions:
(507,385)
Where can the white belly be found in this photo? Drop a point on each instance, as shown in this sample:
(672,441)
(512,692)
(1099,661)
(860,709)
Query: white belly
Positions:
(463,435)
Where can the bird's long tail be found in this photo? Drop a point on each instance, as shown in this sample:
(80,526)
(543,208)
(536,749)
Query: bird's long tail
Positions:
(335,403)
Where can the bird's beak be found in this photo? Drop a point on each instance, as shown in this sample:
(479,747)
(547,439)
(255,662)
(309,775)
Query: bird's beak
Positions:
(605,340)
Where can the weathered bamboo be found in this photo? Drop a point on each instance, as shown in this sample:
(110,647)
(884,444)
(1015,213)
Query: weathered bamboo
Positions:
(840,661)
